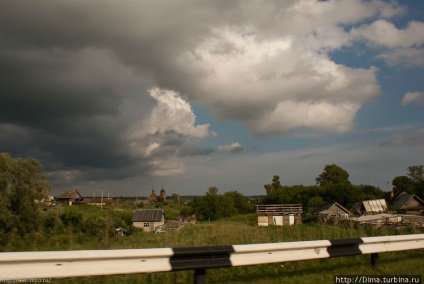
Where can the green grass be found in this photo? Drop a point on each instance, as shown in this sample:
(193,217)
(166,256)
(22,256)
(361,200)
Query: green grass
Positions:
(238,230)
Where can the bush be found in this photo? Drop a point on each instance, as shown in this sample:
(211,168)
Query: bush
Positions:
(51,221)
(96,226)
(72,217)
(123,219)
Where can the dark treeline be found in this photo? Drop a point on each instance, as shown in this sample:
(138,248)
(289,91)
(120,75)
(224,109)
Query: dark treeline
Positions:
(313,196)
(332,185)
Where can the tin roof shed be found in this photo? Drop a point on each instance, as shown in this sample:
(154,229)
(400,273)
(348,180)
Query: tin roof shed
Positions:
(148,215)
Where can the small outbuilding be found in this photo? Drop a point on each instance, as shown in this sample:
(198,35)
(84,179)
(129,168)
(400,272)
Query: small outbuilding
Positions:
(148,219)
(332,211)
(409,202)
(279,214)
(120,232)
(370,207)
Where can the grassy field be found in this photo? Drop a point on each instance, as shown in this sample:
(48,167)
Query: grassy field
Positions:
(243,230)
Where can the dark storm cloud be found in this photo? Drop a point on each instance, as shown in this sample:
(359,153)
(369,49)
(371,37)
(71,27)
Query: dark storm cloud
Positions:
(74,78)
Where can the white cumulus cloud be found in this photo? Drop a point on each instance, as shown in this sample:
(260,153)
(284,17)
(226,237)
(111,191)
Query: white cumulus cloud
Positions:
(255,80)
(413,98)
(230,148)
(164,137)
(384,33)
(400,46)
(174,113)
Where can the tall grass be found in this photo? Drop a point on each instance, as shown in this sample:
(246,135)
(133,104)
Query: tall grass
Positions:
(240,229)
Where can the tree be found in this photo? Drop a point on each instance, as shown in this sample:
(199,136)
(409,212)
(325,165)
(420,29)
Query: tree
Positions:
(333,174)
(403,184)
(20,185)
(176,198)
(314,202)
(213,190)
(416,173)
(368,192)
(214,206)
(275,185)
(239,202)
(72,217)
(419,189)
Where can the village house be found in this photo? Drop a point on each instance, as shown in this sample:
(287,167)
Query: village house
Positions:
(332,211)
(148,219)
(69,197)
(409,202)
(279,214)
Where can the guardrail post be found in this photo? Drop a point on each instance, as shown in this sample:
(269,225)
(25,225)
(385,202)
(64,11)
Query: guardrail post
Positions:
(200,276)
(374,259)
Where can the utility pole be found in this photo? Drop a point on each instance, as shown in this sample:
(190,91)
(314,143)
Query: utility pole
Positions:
(101,201)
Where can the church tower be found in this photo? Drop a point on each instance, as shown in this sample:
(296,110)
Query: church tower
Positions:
(163,195)
(153,195)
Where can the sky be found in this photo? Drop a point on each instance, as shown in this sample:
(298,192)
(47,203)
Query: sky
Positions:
(127,97)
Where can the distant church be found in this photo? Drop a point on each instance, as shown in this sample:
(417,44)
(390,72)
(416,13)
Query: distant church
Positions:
(161,197)
(163,194)
(153,196)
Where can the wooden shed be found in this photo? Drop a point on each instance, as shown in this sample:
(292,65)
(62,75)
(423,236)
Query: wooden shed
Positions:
(409,202)
(279,214)
(69,197)
(333,210)
(370,207)
(148,219)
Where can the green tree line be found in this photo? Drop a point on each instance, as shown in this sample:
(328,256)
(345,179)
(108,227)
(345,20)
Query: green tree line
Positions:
(21,184)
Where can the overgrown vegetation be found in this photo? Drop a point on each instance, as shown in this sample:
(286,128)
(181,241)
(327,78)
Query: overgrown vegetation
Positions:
(240,229)
(213,206)
(20,185)
(26,225)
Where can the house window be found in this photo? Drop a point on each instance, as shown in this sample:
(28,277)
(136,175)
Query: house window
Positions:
(146,225)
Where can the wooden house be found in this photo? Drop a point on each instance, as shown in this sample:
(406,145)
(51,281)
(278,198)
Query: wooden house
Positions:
(279,214)
(370,207)
(69,197)
(409,202)
(333,210)
(148,219)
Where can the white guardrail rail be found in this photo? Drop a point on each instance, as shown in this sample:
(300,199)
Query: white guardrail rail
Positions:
(59,264)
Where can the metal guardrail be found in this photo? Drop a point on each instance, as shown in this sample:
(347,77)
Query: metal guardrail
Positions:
(59,264)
